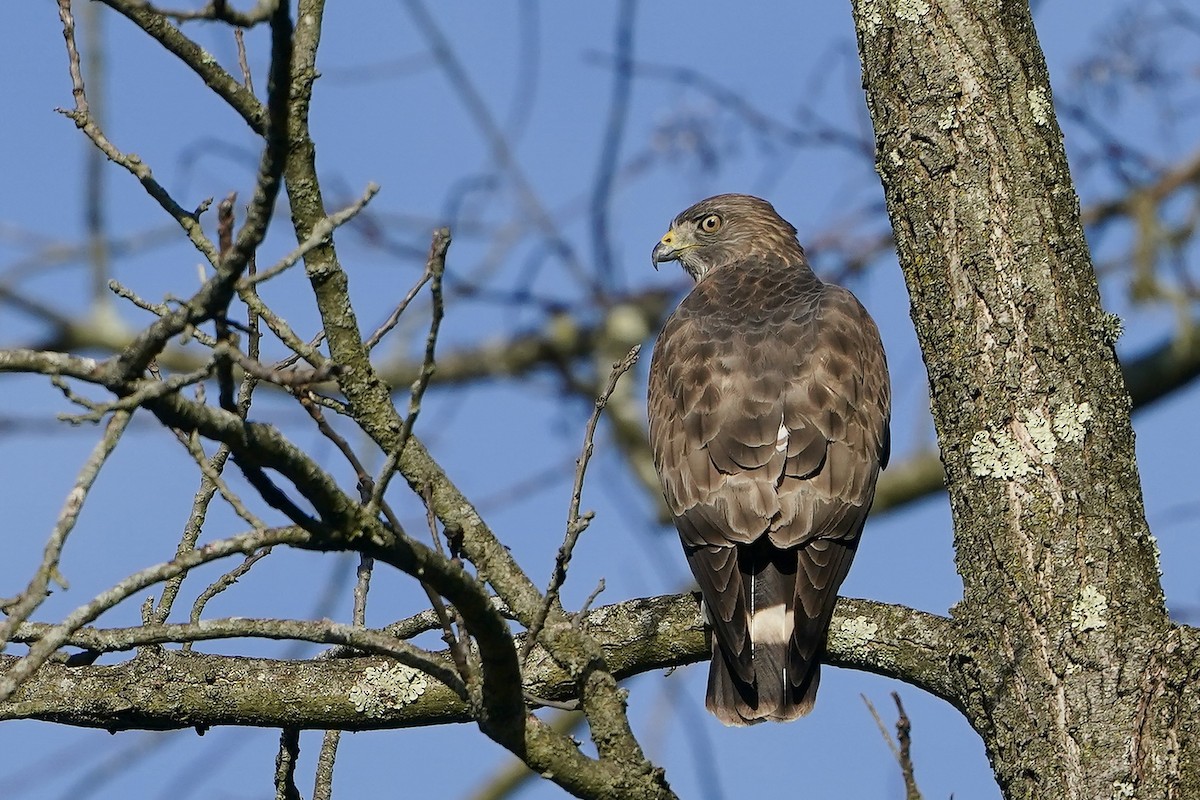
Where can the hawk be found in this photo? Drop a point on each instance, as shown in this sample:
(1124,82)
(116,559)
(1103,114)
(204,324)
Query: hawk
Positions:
(769,406)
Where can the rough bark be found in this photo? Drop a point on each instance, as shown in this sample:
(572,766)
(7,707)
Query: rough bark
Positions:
(1069,667)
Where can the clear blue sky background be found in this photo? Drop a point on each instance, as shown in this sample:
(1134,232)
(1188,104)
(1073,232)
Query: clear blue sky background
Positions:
(384,112)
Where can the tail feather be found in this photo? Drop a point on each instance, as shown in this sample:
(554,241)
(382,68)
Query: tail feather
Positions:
(789,597)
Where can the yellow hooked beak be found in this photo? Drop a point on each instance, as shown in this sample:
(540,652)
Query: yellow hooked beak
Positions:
(669,247)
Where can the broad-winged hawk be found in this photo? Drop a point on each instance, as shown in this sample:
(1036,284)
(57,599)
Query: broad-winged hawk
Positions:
(769,406)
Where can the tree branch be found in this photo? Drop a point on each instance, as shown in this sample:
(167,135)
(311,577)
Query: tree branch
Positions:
(637,636)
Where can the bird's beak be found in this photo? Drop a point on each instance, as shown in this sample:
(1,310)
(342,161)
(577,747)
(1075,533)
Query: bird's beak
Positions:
(667,249)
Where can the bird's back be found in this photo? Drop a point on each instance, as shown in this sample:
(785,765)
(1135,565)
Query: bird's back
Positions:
(769,403)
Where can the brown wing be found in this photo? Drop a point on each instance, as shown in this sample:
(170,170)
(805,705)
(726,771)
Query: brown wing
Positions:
(768,405)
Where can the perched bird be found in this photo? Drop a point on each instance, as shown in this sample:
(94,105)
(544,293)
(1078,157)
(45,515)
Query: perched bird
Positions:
(769,408)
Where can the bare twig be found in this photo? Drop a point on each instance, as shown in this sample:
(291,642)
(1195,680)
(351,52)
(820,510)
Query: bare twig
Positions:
(394,318)
(81,115)
(436,267)
(578,616)
(577,523)
(35,593)
(210,483)
(458,644)
(148,391)
(222,583)
(287,378)
(41,651)
(239,39)
(222,358)
(362,585)
(901,752)
(321,232)
(194,448)
(158,309)
(415,625)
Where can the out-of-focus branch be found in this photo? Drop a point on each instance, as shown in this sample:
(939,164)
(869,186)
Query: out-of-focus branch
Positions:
(610,148)
(461,81)
(219,10)
(512,776)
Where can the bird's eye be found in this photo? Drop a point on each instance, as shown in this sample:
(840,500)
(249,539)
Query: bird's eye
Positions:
(710,224)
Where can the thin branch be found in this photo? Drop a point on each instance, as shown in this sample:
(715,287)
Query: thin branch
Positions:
(37,590)
(222,583)
(902,751)
(286,378)
(158,309)
(394,318)
(81,116)
(321,233)
(240,98)
(40,651)
(577,523)
(415,625)
(459,645)
(194,448)
(214,296)
(358,640)
(435,265)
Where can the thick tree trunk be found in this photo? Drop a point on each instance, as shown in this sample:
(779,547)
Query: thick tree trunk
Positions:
(1070,669)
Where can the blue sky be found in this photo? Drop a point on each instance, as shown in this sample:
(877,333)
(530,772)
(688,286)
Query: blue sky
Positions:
(384,112)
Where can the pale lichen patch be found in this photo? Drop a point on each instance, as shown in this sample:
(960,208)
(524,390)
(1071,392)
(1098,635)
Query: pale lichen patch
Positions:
(911,10)
(1090,611)
(859,628)
(871,16)
(996,454)
(896,158)
(947,120)
(1040,433)
(1111,327)
(1070,421)
(383,688)
(1039,104)
(1122,790)
(1153,540)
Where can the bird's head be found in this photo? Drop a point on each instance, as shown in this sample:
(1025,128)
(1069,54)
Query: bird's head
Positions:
(725,229)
